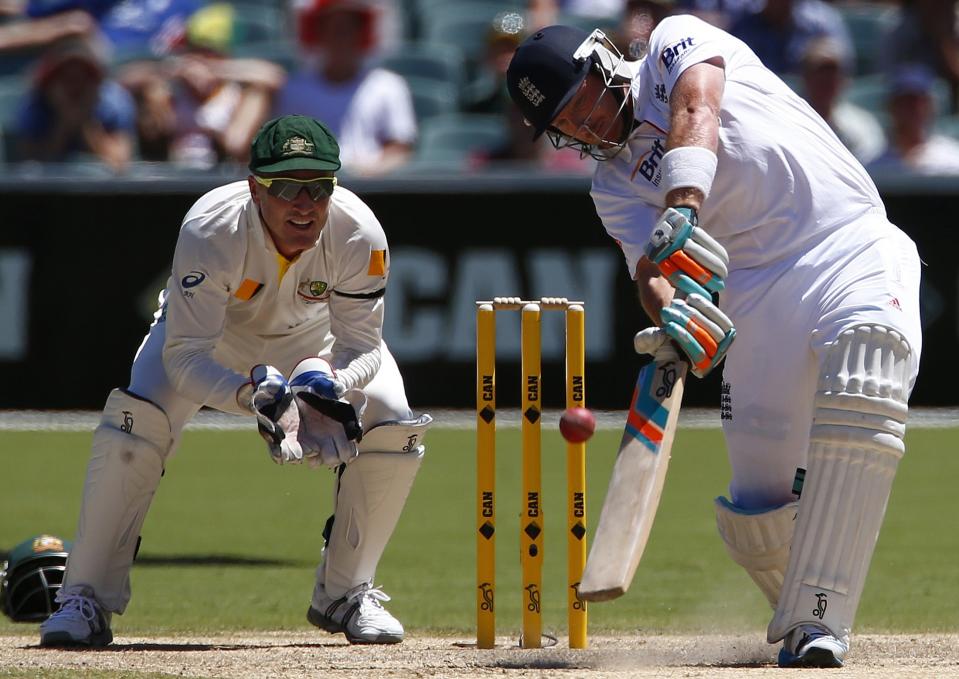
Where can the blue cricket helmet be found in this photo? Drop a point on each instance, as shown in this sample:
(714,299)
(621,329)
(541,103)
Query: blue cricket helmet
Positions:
(544,75)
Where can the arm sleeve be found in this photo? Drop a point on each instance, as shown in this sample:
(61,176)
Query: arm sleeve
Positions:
(683,41)
(357,305)
(196,314)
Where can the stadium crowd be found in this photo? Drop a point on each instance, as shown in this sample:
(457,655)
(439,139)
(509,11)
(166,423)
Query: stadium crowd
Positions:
(416,83)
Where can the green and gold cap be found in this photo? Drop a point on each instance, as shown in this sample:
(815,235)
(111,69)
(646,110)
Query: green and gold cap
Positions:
(294,143)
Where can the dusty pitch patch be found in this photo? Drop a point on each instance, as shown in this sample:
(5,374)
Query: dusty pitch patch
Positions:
(276,655)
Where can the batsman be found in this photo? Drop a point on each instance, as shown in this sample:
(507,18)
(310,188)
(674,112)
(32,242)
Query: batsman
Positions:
(274,311)
(753,235)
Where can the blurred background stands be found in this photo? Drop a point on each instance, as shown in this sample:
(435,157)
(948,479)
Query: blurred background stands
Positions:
(452,53)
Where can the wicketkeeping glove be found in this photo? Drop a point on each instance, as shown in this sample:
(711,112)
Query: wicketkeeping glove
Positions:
(688,257)
(316,376)
(330,429)
(277,417)
(330,424)
(697,326)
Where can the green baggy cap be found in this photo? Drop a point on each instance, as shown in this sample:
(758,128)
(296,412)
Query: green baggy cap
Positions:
(294,143)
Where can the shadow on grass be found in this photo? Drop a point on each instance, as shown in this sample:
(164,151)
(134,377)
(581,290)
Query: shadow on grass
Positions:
(210,560)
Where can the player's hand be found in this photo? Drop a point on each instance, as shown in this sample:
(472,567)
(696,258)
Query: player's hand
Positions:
(277,418)
(697,327)
(688,257)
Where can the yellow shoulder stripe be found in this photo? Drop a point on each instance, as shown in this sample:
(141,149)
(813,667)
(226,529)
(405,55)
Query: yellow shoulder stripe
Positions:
(247,289)
(377,263)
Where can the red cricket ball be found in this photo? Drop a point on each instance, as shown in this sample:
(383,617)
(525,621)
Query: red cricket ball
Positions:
(577,424)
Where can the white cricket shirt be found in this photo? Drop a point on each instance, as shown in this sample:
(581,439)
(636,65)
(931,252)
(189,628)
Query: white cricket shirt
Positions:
(783,178)
(234,300)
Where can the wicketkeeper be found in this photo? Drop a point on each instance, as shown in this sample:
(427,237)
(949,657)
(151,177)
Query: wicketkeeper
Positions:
(717,180)
(274,310)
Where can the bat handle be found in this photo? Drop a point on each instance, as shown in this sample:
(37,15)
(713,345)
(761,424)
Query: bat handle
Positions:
(666,352)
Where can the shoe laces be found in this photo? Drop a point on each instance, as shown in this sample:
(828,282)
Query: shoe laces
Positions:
(806,634)
(368,595)
(75,605)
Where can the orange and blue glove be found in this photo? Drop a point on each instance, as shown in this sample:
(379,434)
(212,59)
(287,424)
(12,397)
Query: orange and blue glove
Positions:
(697,327)
(688,257)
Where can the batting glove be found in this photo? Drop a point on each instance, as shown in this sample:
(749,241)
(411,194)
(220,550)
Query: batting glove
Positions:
(688,257)
(697,327)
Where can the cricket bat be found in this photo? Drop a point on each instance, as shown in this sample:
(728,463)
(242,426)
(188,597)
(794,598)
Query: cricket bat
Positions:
(637,480)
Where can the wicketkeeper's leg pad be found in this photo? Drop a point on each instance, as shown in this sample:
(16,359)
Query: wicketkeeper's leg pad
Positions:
(855,446)
(370,495)
(758,540)
(129,449)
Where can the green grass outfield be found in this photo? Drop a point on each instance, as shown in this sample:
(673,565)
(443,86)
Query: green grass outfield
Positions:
(232,539)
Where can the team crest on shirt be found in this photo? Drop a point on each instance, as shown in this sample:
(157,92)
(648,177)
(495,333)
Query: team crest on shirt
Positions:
(313,292)
(297,146)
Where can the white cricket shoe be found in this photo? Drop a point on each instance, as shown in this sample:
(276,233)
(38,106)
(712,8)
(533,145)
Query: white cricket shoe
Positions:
(811,646)
(78,622)
(358,614)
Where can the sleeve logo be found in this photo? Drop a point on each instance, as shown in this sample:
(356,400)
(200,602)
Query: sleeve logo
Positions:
(193,279)
(672,52)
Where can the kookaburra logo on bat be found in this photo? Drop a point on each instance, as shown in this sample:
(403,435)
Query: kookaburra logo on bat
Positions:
(668,377)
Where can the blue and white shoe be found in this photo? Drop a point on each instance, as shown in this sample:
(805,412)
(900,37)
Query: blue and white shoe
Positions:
(80,621)
(358,614)
(811,646)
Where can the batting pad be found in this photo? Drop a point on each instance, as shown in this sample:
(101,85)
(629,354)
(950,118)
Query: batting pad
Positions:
(396,436)
(855,447)
(129,449)
(758,540)
(370,497)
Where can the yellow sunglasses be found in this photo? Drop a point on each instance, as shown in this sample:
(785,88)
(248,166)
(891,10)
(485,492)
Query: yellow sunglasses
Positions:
(289,188)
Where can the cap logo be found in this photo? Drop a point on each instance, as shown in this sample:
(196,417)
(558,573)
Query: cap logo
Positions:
(298,146)
(531,92)
(43,543)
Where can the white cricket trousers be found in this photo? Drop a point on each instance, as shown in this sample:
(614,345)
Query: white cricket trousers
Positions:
(785,314)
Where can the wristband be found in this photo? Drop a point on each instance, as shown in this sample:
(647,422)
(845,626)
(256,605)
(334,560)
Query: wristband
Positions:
(689,167)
